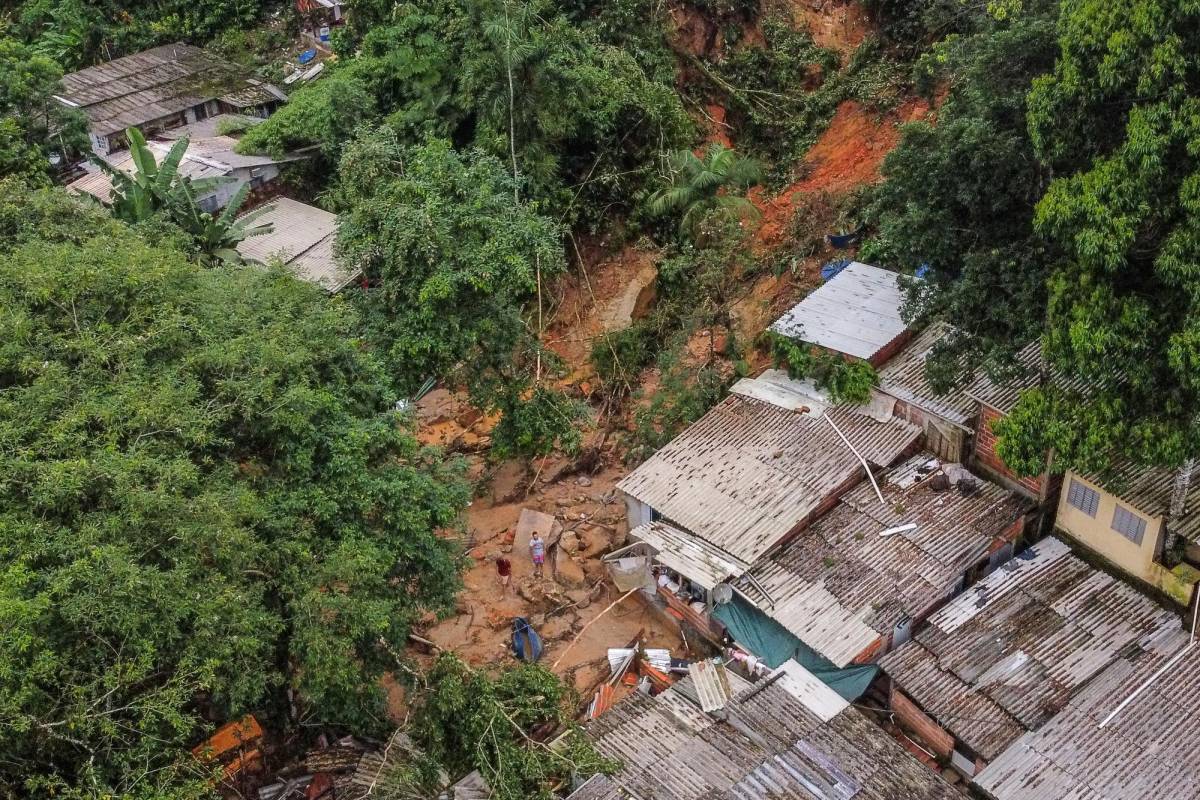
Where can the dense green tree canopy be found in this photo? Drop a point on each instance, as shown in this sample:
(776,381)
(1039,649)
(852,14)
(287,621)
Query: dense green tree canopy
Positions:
(1118,122)
(959,196)
(206,500)
(32,123)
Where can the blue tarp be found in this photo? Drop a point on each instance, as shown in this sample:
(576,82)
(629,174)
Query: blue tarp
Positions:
(832,268)
(775,644)
(526,644)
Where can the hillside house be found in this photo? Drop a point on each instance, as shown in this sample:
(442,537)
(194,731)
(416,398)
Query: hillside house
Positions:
(851,585)
(209,157)
(787,736)
(302,239)
(1006,655)
(161,88)
(746,477)
(1144,521)
(855,314)
(947,419)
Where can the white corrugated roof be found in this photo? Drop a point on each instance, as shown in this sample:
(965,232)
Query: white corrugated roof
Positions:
(810,690)
(303,240)
(699,561)
(857,312)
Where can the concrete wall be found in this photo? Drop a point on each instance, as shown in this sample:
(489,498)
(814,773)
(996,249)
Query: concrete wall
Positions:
(1097,534)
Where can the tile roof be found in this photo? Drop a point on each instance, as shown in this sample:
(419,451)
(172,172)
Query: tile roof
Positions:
(857,312)
(303,240)
(748,472)
(903,377)
(1147,752)
(840,585)
(1008,653)
(152,84)
(769,746)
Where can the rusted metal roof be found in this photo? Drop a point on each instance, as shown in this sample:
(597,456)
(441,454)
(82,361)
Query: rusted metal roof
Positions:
(857,312)
(1147,752)
(841,585)
(302,239)
(768,745)
(1007,654)
(903,377)
(152,84)
(749,472)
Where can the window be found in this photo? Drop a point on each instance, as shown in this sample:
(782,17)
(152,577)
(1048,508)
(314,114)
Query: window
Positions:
(1128,524)
(1085,499)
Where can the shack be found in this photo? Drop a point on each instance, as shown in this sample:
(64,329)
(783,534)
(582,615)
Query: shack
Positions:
(302,239)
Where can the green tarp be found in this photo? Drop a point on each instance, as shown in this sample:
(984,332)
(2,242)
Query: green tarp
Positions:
(775,644)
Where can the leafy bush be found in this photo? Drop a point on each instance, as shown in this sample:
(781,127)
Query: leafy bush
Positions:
(848,381)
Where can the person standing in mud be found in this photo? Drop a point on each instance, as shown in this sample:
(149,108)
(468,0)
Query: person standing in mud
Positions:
(537,552)
(504,571)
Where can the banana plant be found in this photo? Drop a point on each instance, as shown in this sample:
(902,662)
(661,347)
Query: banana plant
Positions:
(151,187)
(217,235)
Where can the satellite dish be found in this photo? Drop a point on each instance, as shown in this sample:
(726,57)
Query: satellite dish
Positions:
(722,593)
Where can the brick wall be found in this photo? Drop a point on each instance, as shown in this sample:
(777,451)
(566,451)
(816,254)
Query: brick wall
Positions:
(915,720)
(985,452)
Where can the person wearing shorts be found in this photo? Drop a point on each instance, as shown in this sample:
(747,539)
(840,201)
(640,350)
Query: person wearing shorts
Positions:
(504,570)
(537,552)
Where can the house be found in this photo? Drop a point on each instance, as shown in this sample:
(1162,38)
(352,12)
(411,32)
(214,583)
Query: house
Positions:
(852,584)
(302,239)
(318,18)
(1009,653)
(1129,734)
(209,157)
(788,736)
(855,314)
(996,400)
(948,419)
(161,88)
(748,475)
(1127,518)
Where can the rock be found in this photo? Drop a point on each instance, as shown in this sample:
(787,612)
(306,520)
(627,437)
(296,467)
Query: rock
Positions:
(563,502)
(569,542)
(583,480)
(582,598)
(469,417)
(567,570)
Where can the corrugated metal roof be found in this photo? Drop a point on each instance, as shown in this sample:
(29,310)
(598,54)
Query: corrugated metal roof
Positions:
(303,240)
(857,312)
(688,555)
(748,472)
(840,585)
(149,85)
(1148,752)
(903,377)
(1008,653)
(768,746)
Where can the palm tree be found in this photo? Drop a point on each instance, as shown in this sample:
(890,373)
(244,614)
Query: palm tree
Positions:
(698,186)
(217,236)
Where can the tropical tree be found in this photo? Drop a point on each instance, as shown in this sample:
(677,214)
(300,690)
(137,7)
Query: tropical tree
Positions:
(1117,121)
(217,236)
(152,188)
(33,125)
(209,507)
(699,186)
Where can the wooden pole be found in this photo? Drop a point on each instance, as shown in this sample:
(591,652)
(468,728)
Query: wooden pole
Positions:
(589,624)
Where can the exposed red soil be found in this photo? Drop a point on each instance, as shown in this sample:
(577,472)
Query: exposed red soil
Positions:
(835,24)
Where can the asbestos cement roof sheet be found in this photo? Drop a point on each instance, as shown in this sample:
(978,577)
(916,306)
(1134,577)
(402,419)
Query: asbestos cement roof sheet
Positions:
(1008,653)
(768,745)
(689,555)
(903,377)
(1150,489)
(302,238)
(857,312)
(1146,752)
(748,473)
(1027,369)
(840,585)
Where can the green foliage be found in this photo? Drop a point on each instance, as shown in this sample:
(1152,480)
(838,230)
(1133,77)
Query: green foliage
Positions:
(216,236)
(959,197)
(618,357)
(470,720)
(534,421)
(845,380)
(32,123)
(207,500)
(1117,121)
(699,188)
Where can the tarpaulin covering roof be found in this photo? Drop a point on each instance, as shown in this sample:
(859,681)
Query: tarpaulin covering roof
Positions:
(1007,654)
(749,472)
(1147,752)
(769,746)
(903,377)
(303,240)
(857,312)
(840,585)
(152,84)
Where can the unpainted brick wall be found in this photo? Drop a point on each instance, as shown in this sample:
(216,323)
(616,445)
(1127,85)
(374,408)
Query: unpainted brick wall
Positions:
(915,720)
(985,451)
